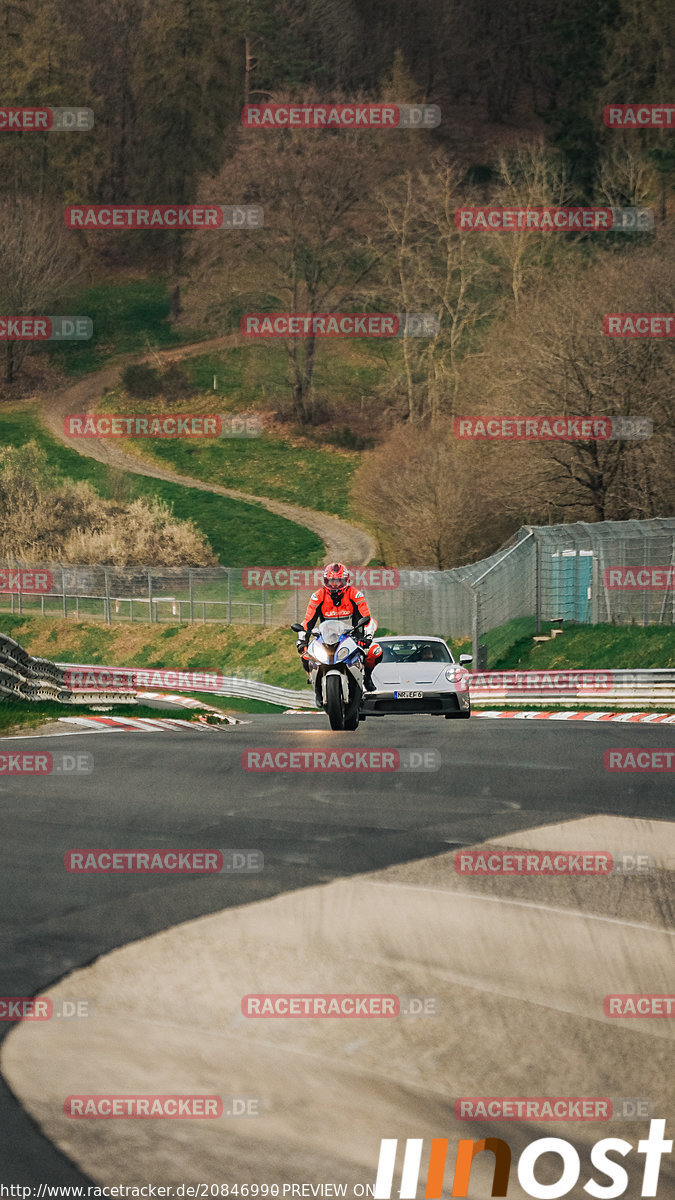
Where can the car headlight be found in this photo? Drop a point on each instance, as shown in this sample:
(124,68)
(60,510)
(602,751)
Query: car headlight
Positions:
(459,676)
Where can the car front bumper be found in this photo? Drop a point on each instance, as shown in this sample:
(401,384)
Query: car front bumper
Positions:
(446,704)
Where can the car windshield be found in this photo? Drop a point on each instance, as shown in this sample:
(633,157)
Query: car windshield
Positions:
(332,631)
(415,650)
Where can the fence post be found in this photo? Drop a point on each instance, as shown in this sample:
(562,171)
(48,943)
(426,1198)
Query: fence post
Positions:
(538,583)
(646,595)
(150,601)
(63,589)
(264,615)
(192,599)
(107,596)
(20,602)
(475,624)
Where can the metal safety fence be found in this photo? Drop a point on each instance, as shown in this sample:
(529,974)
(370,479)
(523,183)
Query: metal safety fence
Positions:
(622,572)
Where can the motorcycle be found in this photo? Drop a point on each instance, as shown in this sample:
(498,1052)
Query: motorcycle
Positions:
(336,670)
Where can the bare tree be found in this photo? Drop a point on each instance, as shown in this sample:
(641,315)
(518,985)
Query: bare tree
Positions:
(320,244)
(434,267)
(432,504)
(625,174)
(554,359)
(37,262)
(530,176)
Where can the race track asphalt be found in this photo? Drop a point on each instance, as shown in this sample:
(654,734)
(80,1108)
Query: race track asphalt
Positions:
(188,790)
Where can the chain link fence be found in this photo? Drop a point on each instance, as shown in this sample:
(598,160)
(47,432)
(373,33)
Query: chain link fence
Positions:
(615,571)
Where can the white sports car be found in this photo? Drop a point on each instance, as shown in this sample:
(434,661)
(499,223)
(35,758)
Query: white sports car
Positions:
(418,675)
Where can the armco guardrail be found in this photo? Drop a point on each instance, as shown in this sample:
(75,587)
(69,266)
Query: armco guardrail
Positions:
(188,681)
(623,687)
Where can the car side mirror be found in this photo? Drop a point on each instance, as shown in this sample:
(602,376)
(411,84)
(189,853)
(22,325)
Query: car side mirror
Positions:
(465,658)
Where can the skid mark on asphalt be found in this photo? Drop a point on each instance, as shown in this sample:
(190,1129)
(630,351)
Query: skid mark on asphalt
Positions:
(565,912)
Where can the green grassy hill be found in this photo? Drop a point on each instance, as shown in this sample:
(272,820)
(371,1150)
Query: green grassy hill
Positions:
(239,533)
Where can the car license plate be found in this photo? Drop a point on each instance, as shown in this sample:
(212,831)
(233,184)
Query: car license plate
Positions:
(408,695)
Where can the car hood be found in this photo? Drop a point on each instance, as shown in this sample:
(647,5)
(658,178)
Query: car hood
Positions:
(387,676)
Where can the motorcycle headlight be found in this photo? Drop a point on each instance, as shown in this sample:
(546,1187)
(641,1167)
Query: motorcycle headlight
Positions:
(343,652)
(319,652)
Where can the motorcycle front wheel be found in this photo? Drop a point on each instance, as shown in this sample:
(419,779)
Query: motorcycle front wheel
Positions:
(334,704)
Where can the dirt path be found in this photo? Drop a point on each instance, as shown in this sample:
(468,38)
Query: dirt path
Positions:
(342,541)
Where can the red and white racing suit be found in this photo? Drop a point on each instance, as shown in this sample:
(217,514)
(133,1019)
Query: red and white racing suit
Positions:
(352,605)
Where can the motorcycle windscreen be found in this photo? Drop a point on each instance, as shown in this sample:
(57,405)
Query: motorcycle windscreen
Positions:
(332,631)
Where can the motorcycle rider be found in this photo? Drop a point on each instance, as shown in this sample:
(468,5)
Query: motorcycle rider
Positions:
(338,599)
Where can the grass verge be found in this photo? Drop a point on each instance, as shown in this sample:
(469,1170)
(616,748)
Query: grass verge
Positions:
(590,646)
(227,649)
(17,715)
